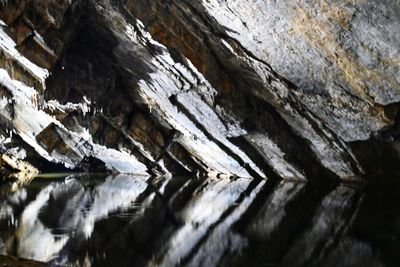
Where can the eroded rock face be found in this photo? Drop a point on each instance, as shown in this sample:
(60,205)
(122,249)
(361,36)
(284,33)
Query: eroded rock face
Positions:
(259,89)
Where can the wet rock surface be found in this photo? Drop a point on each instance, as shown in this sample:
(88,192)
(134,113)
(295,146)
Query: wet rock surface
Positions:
(207,118)
(127,220)
(293,90)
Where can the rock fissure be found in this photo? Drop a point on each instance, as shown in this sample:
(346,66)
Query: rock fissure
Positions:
(166,88)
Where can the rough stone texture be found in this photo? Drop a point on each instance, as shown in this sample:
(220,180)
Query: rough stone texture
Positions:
(20,170)
(262,89)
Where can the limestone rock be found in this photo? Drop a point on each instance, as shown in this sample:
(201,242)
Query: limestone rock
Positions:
(262,89)
(23,172)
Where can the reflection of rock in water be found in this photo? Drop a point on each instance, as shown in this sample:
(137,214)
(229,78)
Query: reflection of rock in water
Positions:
(200,214)
(131,221)
(75,212)
(272,213)
(328,223)
(222,238)
(262,90)
(361,254)
(34,240)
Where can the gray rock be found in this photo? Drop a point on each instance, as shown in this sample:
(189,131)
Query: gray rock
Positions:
(263,89)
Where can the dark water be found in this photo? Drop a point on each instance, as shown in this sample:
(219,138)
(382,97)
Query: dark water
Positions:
(132,221)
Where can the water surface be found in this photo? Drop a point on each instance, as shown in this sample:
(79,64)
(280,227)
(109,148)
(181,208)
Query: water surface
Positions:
(125,220)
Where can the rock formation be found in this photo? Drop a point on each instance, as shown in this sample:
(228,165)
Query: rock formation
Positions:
(265,89)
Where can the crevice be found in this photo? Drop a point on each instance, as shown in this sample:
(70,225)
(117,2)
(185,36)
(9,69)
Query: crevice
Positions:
(227,150)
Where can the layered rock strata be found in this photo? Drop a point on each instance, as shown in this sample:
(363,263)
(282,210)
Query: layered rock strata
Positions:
(261,89)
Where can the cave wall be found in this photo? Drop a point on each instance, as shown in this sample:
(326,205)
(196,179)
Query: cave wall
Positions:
(290,89)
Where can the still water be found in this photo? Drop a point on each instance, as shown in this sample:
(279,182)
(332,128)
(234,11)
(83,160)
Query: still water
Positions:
(184,221)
